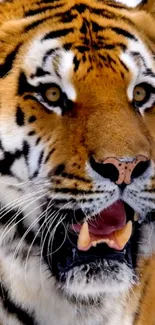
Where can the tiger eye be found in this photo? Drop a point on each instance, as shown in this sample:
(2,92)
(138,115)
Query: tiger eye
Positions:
(53,94)
(139,94)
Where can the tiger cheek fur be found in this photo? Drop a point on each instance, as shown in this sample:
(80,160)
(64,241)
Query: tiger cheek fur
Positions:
(77,94)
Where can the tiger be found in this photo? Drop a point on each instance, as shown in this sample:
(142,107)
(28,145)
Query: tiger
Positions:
(77,162)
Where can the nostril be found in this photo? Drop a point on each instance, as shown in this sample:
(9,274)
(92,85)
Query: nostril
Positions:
(140,168)
(105,170)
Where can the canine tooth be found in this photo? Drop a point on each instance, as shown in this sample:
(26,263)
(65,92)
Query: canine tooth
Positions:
(84,238)
(123,235)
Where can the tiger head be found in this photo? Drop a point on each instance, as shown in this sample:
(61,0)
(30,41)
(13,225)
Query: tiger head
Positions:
(77,118)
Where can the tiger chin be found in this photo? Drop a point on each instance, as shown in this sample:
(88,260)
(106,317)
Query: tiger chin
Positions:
(77,162)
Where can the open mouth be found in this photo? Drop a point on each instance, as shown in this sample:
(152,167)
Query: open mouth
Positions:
(111,235)
(111,226)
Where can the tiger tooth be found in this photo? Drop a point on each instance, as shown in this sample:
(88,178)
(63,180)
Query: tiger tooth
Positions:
(84,240)
(99,241)
(123,235)
(136,216)
(94,243)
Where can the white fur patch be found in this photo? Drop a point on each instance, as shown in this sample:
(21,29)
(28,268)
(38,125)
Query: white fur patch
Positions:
(10,134)
(138,66)
(130,3)
(57,63)
(147,242)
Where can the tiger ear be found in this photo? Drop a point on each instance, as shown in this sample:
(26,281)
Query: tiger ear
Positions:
(144,18)
(148,6)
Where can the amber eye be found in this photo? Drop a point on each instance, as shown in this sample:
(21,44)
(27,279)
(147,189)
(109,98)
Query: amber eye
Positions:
(141,94)
(53,98)
(52,94)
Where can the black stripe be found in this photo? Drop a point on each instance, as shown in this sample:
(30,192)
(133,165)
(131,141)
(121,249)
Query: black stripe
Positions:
(31,133)
(57,170)
(136,54)
(35,24)
(117,5)
(150,73)
(82,48)
(121,31)
(75,191)
(68,17)
(110,46)
(49,52)
(26,150)
(9,60)
(7,161)
(41,10)
(49,155)
(10,306)
(38,141)
(96,27)
(67,46)
(74,177)
(30,97)
(76,63)
(32,119)
(7,216)
(20,116)
(80,8)
(123,64)
(70,14)
(58,33)
(36,172)
(113,46)
(110,59)
(23,85)
(105,13)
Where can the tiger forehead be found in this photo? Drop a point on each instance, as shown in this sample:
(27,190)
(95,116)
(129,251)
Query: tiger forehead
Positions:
(91,29)
(93,44)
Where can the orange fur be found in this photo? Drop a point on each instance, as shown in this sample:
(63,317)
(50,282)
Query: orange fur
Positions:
(141,306)
(101,114)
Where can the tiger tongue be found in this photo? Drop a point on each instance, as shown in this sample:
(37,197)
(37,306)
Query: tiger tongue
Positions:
(108,220)
(108,227)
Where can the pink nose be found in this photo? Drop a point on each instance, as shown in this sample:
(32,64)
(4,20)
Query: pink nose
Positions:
(126,169)
(120,171)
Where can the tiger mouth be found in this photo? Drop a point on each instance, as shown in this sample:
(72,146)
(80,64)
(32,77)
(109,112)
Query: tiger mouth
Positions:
(110,226)
(68,253)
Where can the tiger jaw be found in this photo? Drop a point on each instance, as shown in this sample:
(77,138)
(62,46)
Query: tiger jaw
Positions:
(74,253)
(110,227)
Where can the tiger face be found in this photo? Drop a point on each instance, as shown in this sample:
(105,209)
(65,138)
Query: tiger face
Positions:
(77,116)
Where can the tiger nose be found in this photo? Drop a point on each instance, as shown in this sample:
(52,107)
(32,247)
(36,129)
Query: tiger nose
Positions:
(120,171)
